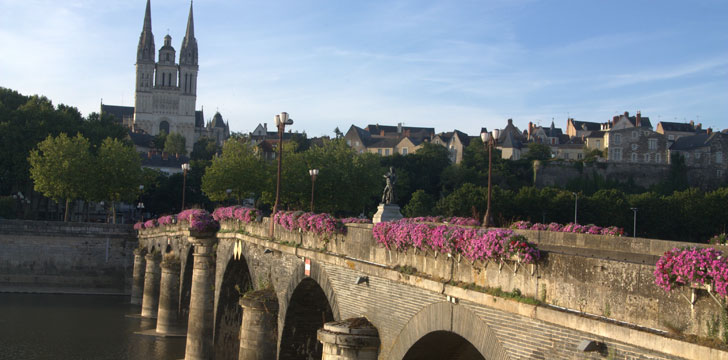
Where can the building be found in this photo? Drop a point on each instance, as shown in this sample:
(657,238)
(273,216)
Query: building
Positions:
(544,135)
(578,129)
(387,140)
(166,91)
(455,141)
(704,150)
(674,130)
(636,145)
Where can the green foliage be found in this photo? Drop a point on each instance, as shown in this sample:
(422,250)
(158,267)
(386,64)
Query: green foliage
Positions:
(467,200)
(421,204)
(204,149)
(97,128)
(175,144)
(347,182)
(538,151)
(117,175)
(239,168)
(61,166)
(7,207)
(159,140)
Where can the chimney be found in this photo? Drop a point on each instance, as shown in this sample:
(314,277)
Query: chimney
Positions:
(399,128)
(149,154)
(265,126)
(710,131)
(692,124)
(381,132)
(530,128)
(626,114)
(700,126)
(639,119)
(165,156)
(615,118)
(510,121)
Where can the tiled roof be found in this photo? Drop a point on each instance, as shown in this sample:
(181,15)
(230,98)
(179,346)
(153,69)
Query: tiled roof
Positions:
(157,161)
(119,112)
(384,142)
(141,139)
(674,126)
(693,142)
(586,125)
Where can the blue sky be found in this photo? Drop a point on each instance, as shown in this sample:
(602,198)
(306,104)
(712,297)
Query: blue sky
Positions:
(442,64)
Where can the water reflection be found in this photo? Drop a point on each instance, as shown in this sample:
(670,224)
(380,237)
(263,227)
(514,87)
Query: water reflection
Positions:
(65,327)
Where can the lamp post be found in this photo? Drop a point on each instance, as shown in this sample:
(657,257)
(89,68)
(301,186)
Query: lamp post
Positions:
(228,192)
(313,173)
(489,141)
(185,169)
(140,205)
(576,205)
(634,224)
(281,120)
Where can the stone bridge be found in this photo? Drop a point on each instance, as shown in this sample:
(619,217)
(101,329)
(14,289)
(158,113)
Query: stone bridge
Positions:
(302,296)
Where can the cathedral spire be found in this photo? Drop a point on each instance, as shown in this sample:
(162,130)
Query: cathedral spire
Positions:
(188,52)
(145,49)
(148,18)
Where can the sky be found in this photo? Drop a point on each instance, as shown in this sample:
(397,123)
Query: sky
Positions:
(443,64)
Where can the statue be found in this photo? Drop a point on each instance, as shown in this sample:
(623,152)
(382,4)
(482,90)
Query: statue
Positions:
(388,195)
(388,210)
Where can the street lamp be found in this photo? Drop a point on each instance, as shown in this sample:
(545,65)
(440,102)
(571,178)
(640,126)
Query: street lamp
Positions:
(489,142)
(576,205)
(281,120)
(185,169)
(140,206)
(634,225)
(313,173)
(228,192)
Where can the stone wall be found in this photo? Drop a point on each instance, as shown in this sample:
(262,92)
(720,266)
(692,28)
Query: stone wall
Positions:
(44,256)
(558,173)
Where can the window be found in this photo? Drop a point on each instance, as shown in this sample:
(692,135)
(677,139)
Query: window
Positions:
(671,137)
(356,143)
(379,151)
(579,156)
(348,142)
(617,154)
(599,144)
(404,151)
(617,139)
(634,146)
(652,144)
(697,155)
(647,158)
(719,173)
(635,134)
(566,155)
(634,157)
(658,158)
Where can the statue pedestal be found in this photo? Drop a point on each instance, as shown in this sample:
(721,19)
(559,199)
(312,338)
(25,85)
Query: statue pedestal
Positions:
(387,212)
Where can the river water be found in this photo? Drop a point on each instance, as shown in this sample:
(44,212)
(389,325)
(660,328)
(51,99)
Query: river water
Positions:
(78,327)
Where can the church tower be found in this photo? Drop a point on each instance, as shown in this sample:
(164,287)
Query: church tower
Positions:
(145,65)
(188,68)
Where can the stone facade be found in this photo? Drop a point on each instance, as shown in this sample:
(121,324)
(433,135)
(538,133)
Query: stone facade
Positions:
(636,145)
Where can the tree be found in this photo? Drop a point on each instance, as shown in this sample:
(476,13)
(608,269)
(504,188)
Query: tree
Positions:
(204,149)
(239,169)
(421,204)
(60,168)
(159,140)
(175,144)
(538,151)
(118,170)
(98,127)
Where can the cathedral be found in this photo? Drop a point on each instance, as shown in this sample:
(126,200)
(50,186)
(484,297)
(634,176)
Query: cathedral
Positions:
(166,91)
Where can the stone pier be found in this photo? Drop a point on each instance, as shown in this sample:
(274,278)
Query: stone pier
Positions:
(168,297)
(137,285)
(150,299)
(352,339)
(201,318)
(259,330)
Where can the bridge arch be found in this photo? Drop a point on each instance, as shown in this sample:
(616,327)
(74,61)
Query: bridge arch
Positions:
(236,279)
(458,333)
(310,302)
